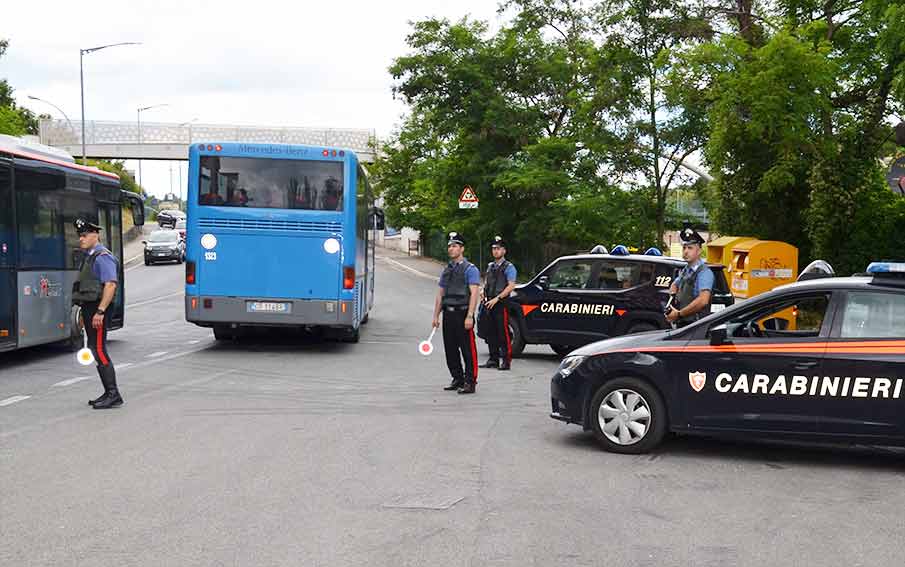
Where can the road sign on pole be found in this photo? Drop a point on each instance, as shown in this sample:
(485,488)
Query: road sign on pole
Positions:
(468,199)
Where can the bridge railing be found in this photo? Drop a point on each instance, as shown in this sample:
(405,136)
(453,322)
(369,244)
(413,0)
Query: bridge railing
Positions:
(63,133)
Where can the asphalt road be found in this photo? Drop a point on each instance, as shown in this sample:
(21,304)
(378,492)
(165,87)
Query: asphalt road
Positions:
(285,451)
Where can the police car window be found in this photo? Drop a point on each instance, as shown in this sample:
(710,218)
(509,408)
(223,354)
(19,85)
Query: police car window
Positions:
(800,317)
(570,274)
(873,315)
(271,183)
(616,275)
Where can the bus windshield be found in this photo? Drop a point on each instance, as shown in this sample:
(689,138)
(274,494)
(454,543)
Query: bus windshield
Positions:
(271,183)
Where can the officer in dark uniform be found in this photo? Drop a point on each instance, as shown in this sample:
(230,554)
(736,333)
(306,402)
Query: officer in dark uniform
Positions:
(95,291)
(693,289)
(457,298)
(499,281)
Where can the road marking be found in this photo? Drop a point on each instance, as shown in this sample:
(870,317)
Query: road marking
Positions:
(72,381)
(194,342)
(155,300)
(13,400)
(400,265)
(78,379)
(156,354)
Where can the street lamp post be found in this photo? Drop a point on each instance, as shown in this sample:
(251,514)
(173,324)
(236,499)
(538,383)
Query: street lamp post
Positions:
(60,110)
(82,53)
(140,110)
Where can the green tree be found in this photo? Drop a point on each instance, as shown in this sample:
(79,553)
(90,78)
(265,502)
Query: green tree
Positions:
(14,120)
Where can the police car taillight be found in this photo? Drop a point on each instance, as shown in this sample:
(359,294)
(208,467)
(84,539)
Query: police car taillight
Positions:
(348,278)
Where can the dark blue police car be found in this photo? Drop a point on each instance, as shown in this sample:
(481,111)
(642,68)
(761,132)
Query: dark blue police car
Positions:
(818,360)
(584,298)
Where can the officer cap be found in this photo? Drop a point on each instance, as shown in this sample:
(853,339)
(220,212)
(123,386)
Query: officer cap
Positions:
(498,241)
(82,226)
(456,238)
(691,236)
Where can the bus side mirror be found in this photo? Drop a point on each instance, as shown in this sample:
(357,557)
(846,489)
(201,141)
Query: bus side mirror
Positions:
(377,219)
(137,206)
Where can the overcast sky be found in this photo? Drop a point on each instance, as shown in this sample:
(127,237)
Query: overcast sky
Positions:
(302,63)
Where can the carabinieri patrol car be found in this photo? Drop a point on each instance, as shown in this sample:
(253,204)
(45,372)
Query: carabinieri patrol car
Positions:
(584,298)
(817,360)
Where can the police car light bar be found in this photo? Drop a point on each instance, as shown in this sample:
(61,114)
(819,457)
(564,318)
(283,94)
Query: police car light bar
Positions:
(877,268)
(619,250)
(887,273)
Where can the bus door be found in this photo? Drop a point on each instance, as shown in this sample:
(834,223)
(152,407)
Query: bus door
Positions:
(110,220)
(7,261)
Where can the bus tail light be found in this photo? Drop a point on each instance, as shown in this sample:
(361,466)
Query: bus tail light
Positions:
(190,273)
(348,278)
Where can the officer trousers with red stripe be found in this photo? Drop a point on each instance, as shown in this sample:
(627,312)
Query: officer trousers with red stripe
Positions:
(499,340)
(460,346)
(97,342)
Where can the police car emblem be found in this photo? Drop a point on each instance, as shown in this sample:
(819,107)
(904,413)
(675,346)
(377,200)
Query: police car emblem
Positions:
(697,380)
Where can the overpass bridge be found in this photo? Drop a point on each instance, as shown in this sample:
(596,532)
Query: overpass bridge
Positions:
(170,141)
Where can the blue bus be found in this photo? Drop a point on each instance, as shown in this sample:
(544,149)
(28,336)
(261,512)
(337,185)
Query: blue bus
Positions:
(42,191)
(278,236)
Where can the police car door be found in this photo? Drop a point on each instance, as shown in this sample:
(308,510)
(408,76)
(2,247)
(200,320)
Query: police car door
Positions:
(760,377)
(567,284)
(866,349)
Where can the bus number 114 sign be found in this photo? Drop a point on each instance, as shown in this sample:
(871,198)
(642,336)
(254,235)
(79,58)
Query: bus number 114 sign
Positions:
(468,199)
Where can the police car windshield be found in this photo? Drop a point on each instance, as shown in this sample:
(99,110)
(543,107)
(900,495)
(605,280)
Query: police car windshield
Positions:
(163,236)
(271,183)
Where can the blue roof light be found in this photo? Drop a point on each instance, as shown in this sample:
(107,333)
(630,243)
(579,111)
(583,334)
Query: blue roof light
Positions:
(619,250)
(653,251)
(886,267)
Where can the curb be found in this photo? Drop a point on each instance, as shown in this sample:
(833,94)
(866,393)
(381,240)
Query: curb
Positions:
(409,269)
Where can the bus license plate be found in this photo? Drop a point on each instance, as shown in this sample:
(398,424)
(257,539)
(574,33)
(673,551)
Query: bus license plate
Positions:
(268,307)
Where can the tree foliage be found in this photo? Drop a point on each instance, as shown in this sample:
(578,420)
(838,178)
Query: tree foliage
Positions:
(14,120)
(570,122)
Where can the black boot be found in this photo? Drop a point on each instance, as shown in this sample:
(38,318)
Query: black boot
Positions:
(504,365)
(98,399)
(492,363)
(454,385)
(467,389)
(112,399)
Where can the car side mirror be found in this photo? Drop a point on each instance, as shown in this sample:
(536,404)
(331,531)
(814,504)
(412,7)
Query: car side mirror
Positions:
(719,335)
(145,242)
(543,282)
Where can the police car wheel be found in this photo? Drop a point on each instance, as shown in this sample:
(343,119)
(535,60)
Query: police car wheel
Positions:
(627,416)
(518,341)
(642,328)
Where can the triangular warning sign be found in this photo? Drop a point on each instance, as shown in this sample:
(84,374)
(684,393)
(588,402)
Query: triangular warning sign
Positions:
(468,195)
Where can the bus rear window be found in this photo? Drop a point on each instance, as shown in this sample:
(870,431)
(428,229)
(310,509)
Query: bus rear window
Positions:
(271,183)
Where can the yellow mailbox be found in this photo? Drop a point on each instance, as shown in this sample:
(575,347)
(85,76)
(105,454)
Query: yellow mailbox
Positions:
(760,265)
(720,250)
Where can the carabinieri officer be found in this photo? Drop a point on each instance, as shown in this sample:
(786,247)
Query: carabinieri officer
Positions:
(458,299)
(694,286)
(499,281)
(94,291)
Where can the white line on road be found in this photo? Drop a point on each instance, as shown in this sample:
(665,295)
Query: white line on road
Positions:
(72,381)
(194,342)
(155,300)
(12,400)
(156,354)
(402,266)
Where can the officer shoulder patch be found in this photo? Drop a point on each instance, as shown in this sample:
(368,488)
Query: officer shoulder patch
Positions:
(697,380)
